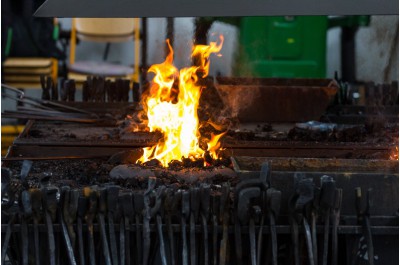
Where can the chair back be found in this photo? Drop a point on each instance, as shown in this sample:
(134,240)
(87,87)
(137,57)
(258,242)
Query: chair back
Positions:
(104,29)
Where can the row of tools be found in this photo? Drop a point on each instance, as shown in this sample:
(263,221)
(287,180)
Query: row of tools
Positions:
(94,89)
(56,100)
(206,224)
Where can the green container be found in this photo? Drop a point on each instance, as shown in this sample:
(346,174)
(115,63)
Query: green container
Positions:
(282,47)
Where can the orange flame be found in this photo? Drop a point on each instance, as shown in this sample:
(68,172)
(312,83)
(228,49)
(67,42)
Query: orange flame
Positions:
(173,111)
(214,144)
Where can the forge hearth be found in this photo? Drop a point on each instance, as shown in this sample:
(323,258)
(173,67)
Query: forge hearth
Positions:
(85,182)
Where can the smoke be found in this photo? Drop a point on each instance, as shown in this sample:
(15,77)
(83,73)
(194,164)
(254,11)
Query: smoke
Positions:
(237,98)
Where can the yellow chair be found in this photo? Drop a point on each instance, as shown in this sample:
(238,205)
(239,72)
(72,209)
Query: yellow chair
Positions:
(26,72)
(107,30)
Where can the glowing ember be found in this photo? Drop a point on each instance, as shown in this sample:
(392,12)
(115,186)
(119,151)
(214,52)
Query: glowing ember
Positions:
(395,154)
(172,107)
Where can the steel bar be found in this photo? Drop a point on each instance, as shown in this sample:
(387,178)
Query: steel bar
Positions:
(9,228)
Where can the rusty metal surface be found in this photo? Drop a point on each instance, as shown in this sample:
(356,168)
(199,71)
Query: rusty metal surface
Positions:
(276,99)
(57,139)
(246,163)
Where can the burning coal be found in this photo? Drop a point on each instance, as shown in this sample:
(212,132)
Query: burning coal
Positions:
(171,105)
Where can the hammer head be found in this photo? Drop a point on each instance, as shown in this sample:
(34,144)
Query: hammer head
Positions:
(82,206)
(102,194)
(186,204)
(36,200)
(244,203)
(274,201)
(112,197)
(138,201)
(125,201)
(305,191)
(205,200)
(328,190)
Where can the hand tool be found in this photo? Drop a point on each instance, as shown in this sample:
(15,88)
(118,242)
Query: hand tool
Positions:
(60,86)
(146,220)
(40,102)
(50,208)
(91,194)
(12,211)
(122,240)
(68,90)
(245,216)
(25,213)
(314,216)
(238,240)
(112,92)
(184,217)
(303,195)
(255,212)
(305,189)
(224,219)
(112,202)
(37,210)
(367,228)
(194,213)
(63,90)
(25,169)
(215,201)
(336,220)
(135,92)
(262,182)
(264,209)
(7,196)
(363,219)
(156,211)
(327,201)
(70,209)
(81,212)
(50,87)
(71,88)
(307,232)
(126,88)
(45,87)
(100,89)
(265,179)
(118,86)
(85,91)
(153,201)
(102,211)
(274,202)
(70,251)
(205,212)
(171,201)
(89,81)
(139,207)
(125,201)
(54,91)
(107,85)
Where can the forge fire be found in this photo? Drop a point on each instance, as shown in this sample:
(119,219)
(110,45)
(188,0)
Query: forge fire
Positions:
(171,106)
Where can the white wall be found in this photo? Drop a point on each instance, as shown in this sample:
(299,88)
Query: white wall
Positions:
(377,50)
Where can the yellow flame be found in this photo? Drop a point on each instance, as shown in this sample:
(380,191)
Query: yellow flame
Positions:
(214,144)
(173,111)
